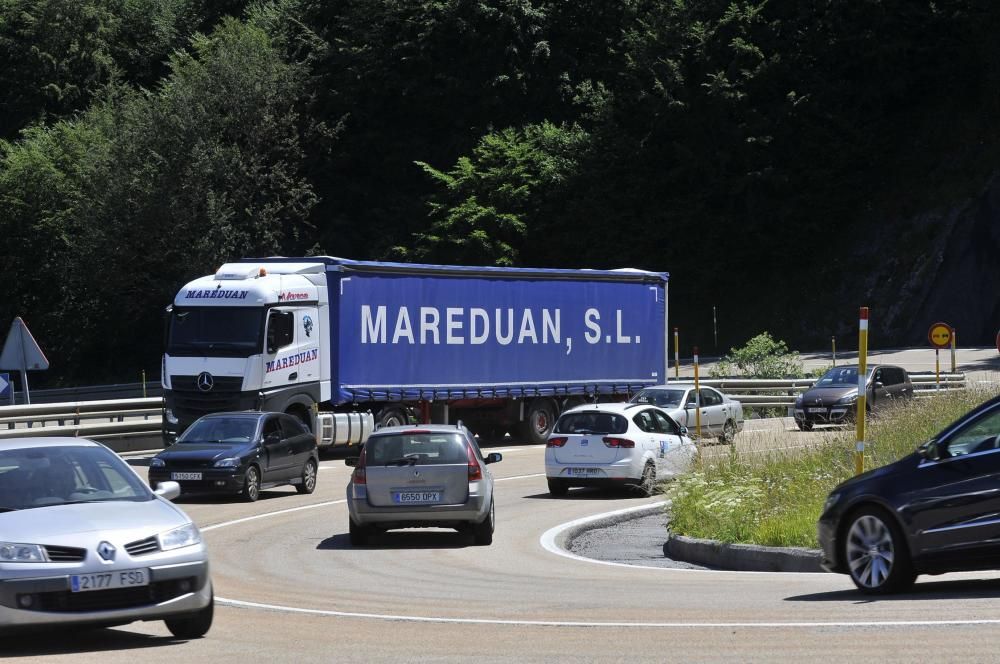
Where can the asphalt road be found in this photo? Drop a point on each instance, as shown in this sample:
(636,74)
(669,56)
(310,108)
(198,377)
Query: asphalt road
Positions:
(290,588)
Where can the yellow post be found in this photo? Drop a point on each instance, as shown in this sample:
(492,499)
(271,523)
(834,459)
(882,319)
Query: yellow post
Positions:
(143,383)
(859,450)
(954,340)
(697,397)
(677,355)
(937,368)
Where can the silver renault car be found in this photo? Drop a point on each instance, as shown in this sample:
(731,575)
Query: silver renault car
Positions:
(84,541)
(425,476)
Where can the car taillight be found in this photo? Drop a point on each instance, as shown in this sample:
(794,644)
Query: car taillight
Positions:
(475,470)
(556,441)
(360,475)
(611,441)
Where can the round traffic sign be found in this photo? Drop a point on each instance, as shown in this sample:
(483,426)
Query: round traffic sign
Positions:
(940,335)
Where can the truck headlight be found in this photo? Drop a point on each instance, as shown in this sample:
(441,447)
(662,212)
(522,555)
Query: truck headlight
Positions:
(179,537)
(231,462)
(12,552)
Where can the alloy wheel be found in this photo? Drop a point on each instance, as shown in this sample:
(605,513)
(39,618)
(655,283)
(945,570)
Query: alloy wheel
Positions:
(871,551)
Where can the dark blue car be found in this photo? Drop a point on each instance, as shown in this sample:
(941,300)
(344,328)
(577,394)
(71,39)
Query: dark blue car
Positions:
(934,511)
(240,453)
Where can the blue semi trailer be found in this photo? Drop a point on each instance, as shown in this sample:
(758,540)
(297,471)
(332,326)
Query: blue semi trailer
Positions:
(348,345)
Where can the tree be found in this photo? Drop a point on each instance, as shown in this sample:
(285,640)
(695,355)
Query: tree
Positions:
(761,357)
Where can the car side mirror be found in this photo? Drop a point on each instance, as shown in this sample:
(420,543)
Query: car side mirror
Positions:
(929,451)
(272,438)
(684,431)
(690,405)
(351,461)
(493,457)
(167,490)
(878,384)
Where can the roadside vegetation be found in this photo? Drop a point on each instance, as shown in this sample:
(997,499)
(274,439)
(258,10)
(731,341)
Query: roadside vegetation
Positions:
(754,493)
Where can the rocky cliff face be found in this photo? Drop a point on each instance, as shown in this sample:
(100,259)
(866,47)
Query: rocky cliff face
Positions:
(940,266)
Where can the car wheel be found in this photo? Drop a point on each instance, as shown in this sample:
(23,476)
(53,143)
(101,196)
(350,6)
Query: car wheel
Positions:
(308,484)
(728,433)
(557,488)
(392,417)
(359,535)
(251,485)
(875,553)
(803,425)
(482,532)
(193,625)
(647,484)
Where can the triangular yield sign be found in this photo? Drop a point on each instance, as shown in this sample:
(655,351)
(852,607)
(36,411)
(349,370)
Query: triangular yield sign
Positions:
(21,351)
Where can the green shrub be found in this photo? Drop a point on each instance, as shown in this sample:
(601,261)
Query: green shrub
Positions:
(761,357)
(768,491)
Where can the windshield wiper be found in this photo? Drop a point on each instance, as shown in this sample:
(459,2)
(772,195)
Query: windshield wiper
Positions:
(403,461)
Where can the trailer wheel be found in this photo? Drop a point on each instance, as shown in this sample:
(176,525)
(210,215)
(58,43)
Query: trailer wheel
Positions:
(540,418)
(392,416)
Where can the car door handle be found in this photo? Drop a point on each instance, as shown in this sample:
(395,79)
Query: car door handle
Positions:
(293,376)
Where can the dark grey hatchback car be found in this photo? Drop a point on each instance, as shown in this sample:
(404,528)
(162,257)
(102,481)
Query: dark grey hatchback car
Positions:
(833,398)
(933,511)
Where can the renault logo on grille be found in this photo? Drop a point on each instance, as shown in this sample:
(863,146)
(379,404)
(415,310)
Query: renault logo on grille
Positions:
(205,381)
(106,550)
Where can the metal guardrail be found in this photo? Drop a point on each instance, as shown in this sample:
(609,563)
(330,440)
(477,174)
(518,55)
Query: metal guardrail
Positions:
(781,393)
(92,419)
(128,417)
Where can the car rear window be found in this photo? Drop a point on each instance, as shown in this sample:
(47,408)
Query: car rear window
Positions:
(591,422)
(426,448)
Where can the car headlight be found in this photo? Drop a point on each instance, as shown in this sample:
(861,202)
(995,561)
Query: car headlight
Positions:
(231,462)
(831,500)
(179,537)
(850,398)
(12,552)
(157,462)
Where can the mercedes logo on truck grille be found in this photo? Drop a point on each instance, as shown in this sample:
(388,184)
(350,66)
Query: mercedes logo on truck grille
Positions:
(205,381)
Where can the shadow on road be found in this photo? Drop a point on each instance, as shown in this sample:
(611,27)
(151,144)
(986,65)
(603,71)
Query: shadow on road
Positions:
(75,642)
(923,590)
(590,493)
(401,540)
(222,498)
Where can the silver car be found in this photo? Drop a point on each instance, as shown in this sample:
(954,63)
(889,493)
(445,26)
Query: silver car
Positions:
(84,541)
(425,476)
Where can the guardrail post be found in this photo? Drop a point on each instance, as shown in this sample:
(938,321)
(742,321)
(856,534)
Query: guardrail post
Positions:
(697,397)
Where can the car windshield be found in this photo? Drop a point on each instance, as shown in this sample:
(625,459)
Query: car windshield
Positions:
(227,430)
(417,448)
(215,331)
(46,476)
(839,377)
(660,397)
(591,421)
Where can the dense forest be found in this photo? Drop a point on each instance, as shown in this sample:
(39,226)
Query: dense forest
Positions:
(785,160)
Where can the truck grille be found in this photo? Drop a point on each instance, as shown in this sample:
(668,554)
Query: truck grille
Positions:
(65,554)
(191,403)
(143,546)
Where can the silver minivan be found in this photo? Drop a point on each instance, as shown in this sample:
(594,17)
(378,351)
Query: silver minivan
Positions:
(421,476)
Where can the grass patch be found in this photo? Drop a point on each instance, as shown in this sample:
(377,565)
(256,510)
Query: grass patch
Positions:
(761,493)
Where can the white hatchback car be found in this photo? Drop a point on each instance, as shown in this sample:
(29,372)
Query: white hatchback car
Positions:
(615,444)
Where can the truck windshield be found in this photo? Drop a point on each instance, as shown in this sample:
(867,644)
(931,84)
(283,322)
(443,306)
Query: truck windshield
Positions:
(215,331)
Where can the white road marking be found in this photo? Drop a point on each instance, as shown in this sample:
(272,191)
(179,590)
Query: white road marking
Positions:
(224,524)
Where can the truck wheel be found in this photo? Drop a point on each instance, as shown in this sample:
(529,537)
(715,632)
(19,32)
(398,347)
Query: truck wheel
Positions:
(392,417)
(539,421)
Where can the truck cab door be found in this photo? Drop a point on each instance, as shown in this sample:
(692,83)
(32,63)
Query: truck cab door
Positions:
(291,348)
